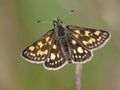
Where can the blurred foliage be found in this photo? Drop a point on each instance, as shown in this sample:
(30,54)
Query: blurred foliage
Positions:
(19,28)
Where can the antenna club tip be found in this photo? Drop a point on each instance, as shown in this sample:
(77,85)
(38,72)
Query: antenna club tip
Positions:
(72,10)
(38,21)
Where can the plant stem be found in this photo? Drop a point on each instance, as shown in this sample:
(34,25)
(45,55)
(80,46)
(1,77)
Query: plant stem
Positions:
(78,77)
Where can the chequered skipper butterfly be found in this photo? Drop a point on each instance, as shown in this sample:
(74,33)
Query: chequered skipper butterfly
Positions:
(65,44)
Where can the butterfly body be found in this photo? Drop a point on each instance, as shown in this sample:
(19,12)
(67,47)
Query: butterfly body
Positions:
(65,44)
(62,39)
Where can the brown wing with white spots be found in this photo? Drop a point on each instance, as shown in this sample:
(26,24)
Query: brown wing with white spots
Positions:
(78,52)
(55,59)
(90,38)
(38,51)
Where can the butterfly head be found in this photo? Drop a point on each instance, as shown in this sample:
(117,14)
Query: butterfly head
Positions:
(57,22)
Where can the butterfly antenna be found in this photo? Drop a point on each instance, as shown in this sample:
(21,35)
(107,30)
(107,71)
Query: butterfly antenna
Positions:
(40,21)
(69,13)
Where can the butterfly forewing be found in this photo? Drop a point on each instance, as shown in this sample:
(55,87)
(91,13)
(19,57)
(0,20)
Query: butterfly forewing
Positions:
(38,51)
(78,52)
(89,38)
(55,58)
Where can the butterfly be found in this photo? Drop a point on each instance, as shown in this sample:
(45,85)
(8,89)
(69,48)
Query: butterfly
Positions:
(65,45)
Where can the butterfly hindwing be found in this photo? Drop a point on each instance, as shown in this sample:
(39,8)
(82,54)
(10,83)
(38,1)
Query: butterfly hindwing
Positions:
(89,38)
(79,53)
(55,59)
(38,51)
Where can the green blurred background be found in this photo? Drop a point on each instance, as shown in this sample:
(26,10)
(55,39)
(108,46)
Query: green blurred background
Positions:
(18,29)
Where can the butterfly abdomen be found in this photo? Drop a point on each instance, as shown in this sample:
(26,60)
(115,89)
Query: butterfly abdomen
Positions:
(65,50)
